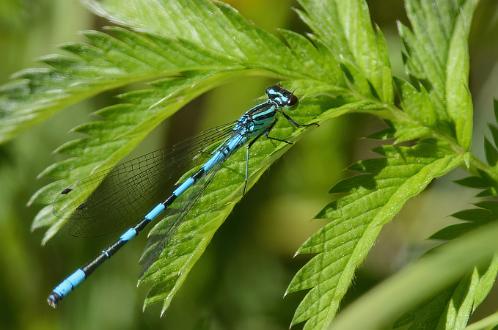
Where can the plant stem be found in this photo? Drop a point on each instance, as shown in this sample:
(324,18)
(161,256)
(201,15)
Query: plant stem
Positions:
(474,164)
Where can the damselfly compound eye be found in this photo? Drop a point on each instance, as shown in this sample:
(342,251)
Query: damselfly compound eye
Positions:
(292,100)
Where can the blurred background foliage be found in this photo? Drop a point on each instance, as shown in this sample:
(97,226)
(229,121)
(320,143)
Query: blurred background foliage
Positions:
(240,280)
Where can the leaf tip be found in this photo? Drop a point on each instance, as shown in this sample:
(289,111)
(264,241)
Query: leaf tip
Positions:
(466,160)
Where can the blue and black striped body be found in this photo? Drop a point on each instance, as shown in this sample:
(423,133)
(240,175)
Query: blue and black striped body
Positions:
(256,122)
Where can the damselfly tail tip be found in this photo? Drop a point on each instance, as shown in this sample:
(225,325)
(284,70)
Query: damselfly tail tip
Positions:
(53,299)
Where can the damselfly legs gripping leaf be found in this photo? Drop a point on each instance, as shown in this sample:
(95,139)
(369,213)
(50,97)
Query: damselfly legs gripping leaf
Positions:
(125,191)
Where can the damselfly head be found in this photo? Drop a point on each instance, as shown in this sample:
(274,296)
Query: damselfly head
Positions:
(281,96)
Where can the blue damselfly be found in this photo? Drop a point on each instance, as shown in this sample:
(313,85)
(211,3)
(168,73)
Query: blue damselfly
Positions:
(149,172)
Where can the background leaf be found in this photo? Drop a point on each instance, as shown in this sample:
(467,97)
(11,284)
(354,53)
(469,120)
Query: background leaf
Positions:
(487,323)
(452,308)
(437,57)
(377,309)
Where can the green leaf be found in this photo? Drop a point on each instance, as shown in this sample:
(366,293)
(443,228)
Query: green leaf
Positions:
(416,283)
(123,126)
(437,56)
(416,102)
(186,42)
(473,182)
(219,28)
(467,296)
(346,29)
(487,323)
(452,308)
(104,62)
(182,48)
(494,133)
(491,152)
(355,221)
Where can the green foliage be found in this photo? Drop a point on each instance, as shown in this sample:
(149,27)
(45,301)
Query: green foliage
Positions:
(180,49)
(345,28)
(451,308)
(419,281)
(436,56)
(488,323)
(371,199)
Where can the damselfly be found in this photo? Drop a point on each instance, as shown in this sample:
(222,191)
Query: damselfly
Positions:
(142,174)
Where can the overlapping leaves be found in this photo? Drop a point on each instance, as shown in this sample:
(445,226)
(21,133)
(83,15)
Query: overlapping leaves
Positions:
(339,255)
(452,308)
(104,62)
(345,27)
(188,47)
(107,61)
(120,128)
(217,27)
(436,57)
(196,68)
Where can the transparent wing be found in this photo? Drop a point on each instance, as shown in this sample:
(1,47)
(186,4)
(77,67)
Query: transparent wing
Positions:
(124,194)
(165,230)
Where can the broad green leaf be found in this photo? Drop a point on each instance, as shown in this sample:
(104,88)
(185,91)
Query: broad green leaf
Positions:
(189,60)
(123,126)
(188,42)
(380,307)
(190,240)
(372,199)
(297,57)
(345,27)
(217,27)
(452,308)
(437,56)
(104,62)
